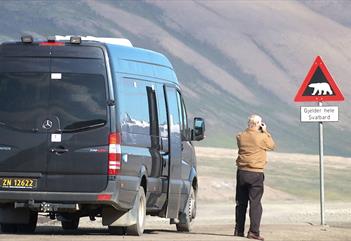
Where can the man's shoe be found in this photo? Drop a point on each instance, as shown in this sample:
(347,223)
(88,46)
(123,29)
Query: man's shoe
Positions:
(254,236)
(238,234)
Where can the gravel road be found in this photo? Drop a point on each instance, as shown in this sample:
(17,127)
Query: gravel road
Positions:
(281,222)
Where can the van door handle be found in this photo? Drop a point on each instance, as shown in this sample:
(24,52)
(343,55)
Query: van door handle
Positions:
(164,145)
(58,150)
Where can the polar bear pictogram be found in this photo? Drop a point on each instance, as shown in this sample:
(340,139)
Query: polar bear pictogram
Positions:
(322,88)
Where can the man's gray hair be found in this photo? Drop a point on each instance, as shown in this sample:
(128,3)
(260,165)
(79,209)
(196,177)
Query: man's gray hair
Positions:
(254,120)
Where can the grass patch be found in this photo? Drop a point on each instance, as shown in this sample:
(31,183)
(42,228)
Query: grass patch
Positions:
(296,179)
(217,167)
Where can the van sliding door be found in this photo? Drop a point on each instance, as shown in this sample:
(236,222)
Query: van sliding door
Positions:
(175,154)
(154,133)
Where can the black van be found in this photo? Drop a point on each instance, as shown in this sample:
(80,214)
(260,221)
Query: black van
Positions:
(93,127)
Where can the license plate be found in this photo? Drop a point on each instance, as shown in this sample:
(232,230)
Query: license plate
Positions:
(18,183)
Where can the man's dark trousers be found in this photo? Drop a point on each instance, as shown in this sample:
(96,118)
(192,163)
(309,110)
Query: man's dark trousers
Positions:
(249,187)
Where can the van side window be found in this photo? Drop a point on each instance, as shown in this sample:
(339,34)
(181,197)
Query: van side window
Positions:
(162,111)
(134,109)
(184,129)
(187,131)
(179,102)
(174,114)
(154,131)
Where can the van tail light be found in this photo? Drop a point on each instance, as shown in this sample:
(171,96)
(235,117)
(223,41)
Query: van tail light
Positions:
(114,153)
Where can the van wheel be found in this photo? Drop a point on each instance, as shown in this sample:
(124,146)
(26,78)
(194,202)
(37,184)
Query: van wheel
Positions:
(29,227)
(8,228)
(71,224)
(186,219)
(138,228)
(117,230)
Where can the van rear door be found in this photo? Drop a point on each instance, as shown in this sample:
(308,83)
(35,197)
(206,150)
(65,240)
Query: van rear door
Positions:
(24,84)
(78,143)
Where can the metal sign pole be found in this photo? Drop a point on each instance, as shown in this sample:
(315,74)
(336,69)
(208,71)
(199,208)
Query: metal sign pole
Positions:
(321,169)
(319,75)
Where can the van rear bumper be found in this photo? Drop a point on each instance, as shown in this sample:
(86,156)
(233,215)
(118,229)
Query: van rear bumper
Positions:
(113,195)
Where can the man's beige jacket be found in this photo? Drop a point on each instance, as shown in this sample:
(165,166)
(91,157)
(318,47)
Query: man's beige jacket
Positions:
(253,145)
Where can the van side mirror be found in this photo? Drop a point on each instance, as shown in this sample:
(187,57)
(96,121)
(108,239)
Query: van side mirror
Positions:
(198,132)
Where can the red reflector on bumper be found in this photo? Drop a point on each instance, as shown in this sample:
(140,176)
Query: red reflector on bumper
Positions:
(102,197)
(112,172)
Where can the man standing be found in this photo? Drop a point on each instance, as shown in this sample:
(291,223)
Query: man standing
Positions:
(253,143)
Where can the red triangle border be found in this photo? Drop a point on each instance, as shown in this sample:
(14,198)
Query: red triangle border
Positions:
(318,62)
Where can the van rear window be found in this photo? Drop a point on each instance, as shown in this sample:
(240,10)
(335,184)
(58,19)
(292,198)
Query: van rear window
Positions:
(74,102)
(79,101)
(23,100)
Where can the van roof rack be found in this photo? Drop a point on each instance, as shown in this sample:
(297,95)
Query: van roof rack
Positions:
(116,41)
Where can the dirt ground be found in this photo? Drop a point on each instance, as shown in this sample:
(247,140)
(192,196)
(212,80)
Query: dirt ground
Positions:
(201,233)
(287,216)
(281,222)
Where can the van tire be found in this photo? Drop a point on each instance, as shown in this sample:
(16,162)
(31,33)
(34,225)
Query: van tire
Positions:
(138,228)
(71,224)
(28,227)
(186,218)
(8,228)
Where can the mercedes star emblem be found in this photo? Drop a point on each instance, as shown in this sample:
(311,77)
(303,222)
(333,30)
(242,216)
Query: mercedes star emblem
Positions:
(47,124)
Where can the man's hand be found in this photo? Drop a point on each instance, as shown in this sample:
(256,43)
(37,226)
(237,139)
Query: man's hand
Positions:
(263,127)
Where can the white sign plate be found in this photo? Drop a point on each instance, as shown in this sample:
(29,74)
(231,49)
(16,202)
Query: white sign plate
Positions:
(320,114)
(56,76)
(55,137)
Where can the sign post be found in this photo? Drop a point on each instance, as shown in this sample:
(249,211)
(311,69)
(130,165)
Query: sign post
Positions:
(321,169)
(319,86)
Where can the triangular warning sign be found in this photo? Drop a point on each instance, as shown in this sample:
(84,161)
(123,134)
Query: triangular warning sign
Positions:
(318,85)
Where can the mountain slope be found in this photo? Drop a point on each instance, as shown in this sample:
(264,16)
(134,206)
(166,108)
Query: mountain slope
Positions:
(233,58)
